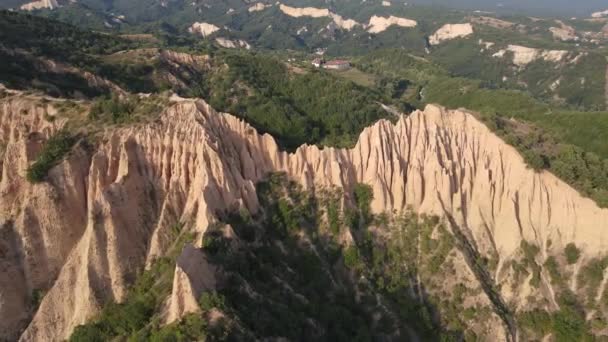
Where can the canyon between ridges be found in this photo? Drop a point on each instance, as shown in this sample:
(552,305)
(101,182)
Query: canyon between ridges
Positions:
(104,214)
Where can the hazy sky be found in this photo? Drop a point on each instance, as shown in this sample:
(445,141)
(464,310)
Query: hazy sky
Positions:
(562,7)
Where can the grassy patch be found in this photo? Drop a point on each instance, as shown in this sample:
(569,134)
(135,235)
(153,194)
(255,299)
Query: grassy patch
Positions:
(126,109)
(356,76)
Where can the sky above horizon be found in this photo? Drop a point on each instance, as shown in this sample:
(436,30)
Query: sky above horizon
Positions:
(548,7)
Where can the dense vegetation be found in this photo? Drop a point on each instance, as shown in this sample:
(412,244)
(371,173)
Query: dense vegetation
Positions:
(576,85)
(54,39)
(567,324)
(308,285)
(51,56)
(296,107)
(125,109)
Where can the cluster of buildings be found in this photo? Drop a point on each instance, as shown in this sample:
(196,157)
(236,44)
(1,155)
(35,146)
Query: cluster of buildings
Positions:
(336,64)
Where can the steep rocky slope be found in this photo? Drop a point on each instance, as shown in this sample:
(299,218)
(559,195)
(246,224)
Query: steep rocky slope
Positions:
(450,31)
(35,5)
(83,236)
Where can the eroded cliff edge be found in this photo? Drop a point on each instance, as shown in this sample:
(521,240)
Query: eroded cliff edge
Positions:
(84,235)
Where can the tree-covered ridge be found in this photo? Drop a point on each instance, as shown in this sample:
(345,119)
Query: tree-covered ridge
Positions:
(54,39)
(575,84)
(296,107)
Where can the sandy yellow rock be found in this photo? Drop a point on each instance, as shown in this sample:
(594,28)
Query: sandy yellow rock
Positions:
(86,233)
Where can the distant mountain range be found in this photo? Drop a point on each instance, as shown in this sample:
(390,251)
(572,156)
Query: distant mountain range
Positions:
(540,7)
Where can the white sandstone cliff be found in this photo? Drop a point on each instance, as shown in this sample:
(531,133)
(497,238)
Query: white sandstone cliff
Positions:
(40,4)
(523,55)
(312,12)
(379,24)
(232,44)
(258,7)
(103,215)
(451,31)
(203,29)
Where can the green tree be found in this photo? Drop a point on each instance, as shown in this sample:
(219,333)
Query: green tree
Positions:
(53,151)
(572,253)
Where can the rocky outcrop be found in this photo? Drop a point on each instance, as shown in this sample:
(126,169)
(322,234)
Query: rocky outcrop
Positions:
(312,12)
(451,31)
(599,14)
(41,223)
(523,55)
(343,23)
(41,4)
(84,235)
(232,44)
(177,59)
(563,32)
(379,24)
(297,12)
(203,29)
(258,7)
(193,275)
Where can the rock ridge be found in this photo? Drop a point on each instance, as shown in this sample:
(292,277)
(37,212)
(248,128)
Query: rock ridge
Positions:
(85,234)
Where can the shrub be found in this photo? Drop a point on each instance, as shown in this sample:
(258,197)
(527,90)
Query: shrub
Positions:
(363,199)
(37,297)
(572,253)
(210,300)
(553,269)
(569,325)
(363,195)
(88,333)
(52,152)
(191,328)
(352,259)
(215,244)
(592,275)
(537,321)
(113,109)
(333,216)
(128,318)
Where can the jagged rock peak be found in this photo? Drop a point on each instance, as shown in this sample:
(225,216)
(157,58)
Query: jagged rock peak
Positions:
(85,234)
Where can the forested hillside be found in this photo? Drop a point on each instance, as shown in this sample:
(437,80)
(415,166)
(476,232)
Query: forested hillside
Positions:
(554,59)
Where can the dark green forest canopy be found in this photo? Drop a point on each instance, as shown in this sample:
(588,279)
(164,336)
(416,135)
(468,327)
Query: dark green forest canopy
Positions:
(54,39)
